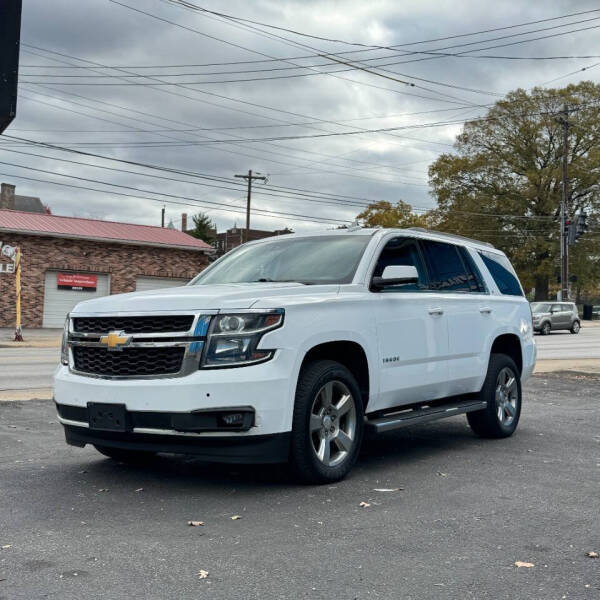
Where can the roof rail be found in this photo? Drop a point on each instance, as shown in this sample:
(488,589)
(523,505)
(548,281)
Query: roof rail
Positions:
(454,236)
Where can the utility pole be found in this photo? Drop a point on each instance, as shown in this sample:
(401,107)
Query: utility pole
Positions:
(249,178)
(162,217)
(564,241)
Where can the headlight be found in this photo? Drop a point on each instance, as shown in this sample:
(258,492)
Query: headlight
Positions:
(233,338)
(64,346)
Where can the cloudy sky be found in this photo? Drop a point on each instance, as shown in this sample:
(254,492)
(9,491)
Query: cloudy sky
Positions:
(207,96)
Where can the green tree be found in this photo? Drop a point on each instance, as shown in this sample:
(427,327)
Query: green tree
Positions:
(386,214)
(204,228)
(503,183)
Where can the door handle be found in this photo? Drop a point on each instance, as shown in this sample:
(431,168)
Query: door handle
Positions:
(436,311)
(485,310)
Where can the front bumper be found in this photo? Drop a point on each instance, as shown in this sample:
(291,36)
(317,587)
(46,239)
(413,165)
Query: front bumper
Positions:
(160,406)
(252,449)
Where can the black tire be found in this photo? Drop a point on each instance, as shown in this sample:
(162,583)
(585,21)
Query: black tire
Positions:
(123,455)
(486,423)
(303,455)
(546,328)
(575,328)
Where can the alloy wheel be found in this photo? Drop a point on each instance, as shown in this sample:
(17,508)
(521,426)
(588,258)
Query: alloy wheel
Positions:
(507,396)
(333,423)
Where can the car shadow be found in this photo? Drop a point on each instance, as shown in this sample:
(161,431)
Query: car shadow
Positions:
(187,473)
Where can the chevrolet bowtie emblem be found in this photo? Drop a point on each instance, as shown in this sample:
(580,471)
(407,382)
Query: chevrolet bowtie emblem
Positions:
(115,340)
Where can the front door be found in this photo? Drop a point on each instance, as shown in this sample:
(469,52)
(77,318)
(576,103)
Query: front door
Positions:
(412,332)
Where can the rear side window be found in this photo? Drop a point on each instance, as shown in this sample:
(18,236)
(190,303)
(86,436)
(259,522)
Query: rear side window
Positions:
(502,272)
(447,270)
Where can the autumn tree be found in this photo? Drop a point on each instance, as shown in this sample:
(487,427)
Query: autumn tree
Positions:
(386,214)
(204,228)
(503,183)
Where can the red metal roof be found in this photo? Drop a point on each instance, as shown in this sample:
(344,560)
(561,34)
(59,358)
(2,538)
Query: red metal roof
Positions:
(74,227)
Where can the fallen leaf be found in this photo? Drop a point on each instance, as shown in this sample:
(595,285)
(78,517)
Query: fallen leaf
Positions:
(195,523)
(6,546)
(527,565)
(202,574)
(235,517)
(103,490)
(140,490)
(592,554)
(440,474)
(84,471)
(388,489)
(365,504)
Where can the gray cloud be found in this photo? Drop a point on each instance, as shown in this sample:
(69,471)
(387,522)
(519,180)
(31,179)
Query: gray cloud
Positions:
(373,166)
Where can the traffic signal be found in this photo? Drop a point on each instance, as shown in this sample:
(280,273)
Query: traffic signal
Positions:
(581,225)
(571,229)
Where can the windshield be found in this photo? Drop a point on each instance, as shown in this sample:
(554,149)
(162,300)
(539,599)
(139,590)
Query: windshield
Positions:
(309,260)
(541,307)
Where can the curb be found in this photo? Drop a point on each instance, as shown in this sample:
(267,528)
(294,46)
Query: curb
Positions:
(37,344)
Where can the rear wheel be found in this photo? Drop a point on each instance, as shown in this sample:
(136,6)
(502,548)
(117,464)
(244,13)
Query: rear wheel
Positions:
(546,328)
(575,327)
(328,422)
(125,455)
(502,392)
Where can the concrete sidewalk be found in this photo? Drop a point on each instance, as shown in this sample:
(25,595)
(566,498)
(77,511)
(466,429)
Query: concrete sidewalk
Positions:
(33,338)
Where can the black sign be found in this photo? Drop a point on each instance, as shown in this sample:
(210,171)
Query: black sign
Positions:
(10,36)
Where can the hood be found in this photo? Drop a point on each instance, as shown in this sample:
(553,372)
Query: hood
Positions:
(201,297)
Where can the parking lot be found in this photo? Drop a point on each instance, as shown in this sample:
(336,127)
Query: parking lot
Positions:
(461,512)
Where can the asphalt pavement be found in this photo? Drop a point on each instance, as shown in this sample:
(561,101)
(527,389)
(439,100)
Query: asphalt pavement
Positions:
(76,525)
(563,345)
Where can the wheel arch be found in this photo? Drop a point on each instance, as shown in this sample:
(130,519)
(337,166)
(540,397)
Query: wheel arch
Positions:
(509,344)
(348,353)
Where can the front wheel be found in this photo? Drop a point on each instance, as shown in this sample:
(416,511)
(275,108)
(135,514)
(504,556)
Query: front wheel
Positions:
(546,327)
(502,392)
(328,422)
(575,327)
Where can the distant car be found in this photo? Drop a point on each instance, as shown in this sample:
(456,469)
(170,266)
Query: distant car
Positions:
(552,316)
(596,311)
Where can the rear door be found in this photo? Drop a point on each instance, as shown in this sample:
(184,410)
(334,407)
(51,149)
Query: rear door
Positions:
(565,315)
(464,300)
(412,332)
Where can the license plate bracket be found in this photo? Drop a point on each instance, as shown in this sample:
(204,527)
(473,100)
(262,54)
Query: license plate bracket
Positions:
(108,417)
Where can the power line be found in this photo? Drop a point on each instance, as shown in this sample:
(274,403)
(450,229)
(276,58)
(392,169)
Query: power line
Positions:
(370,46)
(229,108)
(299,190)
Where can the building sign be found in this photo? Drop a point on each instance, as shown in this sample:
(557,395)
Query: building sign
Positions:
(7,267)
(77,282)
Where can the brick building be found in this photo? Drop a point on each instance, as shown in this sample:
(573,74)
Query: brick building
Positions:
(66,260)
(227,240)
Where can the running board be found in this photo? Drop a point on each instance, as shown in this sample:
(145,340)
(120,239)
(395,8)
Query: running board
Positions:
(420,414)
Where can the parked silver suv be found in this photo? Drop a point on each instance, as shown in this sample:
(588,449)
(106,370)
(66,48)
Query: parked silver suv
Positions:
(550,316)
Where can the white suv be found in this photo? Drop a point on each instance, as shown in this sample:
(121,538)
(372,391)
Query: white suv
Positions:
(289,348)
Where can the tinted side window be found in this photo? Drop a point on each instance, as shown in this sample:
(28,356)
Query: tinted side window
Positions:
(475,280)
(502,272)
(402,251)
(447,272)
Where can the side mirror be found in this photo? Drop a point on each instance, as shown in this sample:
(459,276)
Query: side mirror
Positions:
(395,275)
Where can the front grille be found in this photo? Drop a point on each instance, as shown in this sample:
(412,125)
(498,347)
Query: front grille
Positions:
(130,362)
(145,324)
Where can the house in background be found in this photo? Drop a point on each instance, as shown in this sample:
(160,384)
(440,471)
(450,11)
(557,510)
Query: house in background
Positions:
(227,240)
(11,201)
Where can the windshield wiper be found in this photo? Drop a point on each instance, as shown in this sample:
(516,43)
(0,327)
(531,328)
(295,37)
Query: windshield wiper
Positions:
(269,280)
